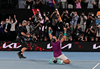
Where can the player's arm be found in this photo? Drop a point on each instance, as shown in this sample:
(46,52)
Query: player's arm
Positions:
(64,37)
(22,33)
(49,32)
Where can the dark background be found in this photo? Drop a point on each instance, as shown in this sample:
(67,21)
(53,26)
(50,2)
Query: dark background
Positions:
(21,14)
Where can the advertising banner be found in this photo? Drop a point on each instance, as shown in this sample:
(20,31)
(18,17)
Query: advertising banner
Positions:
(46,46)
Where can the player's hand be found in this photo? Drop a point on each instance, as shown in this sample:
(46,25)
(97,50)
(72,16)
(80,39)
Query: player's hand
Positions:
(65,29)
(28,35)
(49,28)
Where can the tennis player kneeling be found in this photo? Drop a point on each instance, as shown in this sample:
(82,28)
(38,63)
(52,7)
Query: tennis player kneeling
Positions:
(58,56)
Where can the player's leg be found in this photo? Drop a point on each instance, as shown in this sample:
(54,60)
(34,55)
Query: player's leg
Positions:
(24,45)
(52,60)
(63,59)
(66,61)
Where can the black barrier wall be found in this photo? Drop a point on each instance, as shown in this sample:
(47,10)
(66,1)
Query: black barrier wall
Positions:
(46,46)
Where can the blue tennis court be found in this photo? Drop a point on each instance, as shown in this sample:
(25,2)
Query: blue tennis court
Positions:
(39,60)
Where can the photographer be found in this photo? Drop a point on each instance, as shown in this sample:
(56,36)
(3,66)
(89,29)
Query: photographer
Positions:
(38,31)
(77,32)
(65,16)
(54,20)
(46,25)
(90,33)
(59,27)
(98,26)
(69,34)
(29,27)
(74,19)
(90,20)
(37,18)
(83,19)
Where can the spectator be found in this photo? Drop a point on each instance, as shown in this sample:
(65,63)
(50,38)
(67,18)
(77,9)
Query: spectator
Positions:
(78,4)
(64,4)
(29,4)
(70,4)
(74,20)
(91,3)
(6,28)
(1,30)
(40,3)
(29,27)
(83,4)
(12,30)
(98,1)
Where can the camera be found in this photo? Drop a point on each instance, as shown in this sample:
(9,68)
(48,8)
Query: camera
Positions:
(73,14)
(82,15)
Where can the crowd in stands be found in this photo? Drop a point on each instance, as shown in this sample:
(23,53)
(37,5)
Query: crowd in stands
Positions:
(65,4)
(79,27)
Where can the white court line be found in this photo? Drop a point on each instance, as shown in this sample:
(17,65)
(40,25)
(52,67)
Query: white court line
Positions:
(95,66)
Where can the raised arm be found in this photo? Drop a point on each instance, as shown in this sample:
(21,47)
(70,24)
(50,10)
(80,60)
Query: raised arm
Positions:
(49,32)
(15,19)
(65,34)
